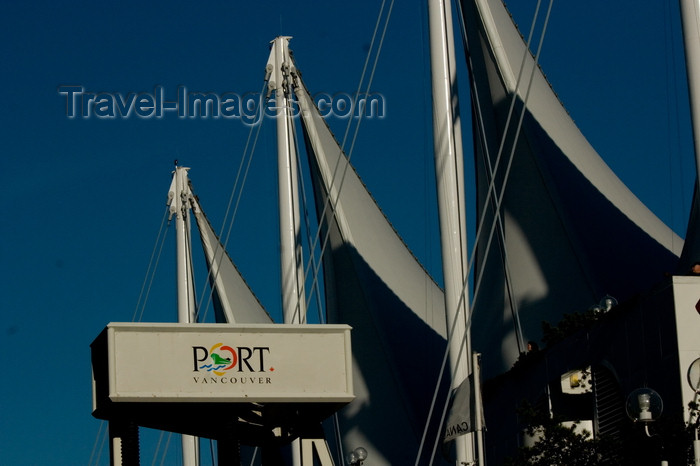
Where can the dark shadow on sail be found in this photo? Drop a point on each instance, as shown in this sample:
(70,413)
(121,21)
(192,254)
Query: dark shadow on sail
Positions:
(375,284)
(691,248)
(396,362)
(568,231)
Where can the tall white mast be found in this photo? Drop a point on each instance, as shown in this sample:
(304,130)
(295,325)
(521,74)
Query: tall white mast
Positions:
(179,197)
(279,69)
(278,74)
(449,172)
(690,16)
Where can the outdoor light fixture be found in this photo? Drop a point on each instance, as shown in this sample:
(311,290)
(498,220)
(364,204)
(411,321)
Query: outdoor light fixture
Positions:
(694,381)
(644,400)
(607,303)
(357,456)
(694,375)
(644,405)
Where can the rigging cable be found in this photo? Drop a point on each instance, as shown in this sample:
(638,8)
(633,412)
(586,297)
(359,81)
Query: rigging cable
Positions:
(192,313)
(299,297)
(512,152)
(330,203)
(211,450)
(315,286)
(489,191)
(673,124)
(100,439)
(151,270)
(482,219)
(236,194)
(165,451)
(141,302)
(493,169)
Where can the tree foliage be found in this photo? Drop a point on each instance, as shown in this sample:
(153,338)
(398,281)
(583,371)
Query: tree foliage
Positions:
(569,325)
(556,444)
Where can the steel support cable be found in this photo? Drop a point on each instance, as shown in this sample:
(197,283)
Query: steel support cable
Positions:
(138,314)
(99,440)
(673,124)
(315,288)
(491,189)
(151,270)
(211,451)
(236,195)
(316,267)
(477,286)
(504,257)
(157,450)
(493,169)
(298,285)
(101,448)
(457,314)
(461,310)
(255,454)
(165,451)
(330,203)
(193,313)
(102,432)
(480,227)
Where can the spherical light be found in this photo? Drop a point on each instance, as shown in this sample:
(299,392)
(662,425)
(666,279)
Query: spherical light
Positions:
(352,458)
(694,375)
(361,453)
(608,302)
(644,405)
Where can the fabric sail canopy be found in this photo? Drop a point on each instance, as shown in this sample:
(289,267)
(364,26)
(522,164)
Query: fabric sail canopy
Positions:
(375,284)
(233,300)
(568,231)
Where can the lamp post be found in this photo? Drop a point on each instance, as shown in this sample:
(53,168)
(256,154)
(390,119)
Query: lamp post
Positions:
(693,423)
(645,405)
(357,456)
(694,381)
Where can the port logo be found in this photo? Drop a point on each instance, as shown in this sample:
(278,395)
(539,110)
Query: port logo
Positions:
(220,359)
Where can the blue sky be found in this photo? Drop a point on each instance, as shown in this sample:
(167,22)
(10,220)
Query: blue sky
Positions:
(83,198)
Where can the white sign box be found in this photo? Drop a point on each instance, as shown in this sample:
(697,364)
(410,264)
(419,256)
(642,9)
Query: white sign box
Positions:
(227,363)
(686,292)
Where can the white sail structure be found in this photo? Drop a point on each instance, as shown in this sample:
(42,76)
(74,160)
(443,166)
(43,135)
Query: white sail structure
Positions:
(690,15)
(557,231)
(233,300)
(376,285)
(560,230)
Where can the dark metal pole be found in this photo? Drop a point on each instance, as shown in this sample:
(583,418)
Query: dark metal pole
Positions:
(124,443)
(228,448)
